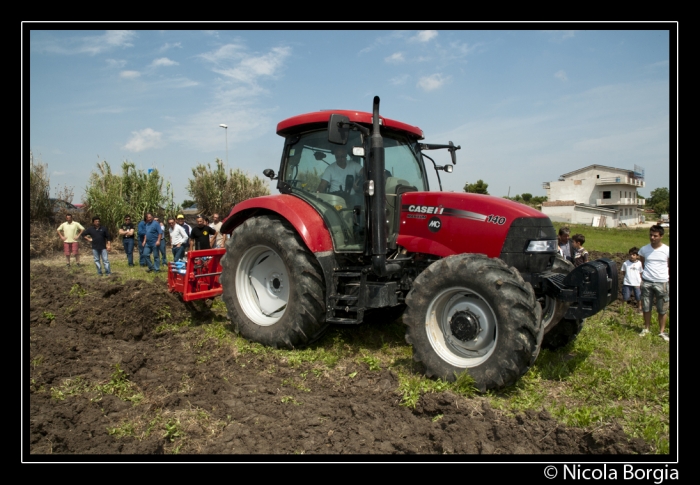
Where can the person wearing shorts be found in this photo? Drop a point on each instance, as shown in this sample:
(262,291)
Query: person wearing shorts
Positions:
(655,258)
(69,232)
(632,282)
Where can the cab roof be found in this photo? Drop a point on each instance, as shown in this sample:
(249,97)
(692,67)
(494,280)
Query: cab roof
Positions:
(319,119)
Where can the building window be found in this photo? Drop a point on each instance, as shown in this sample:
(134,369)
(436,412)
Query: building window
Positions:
(607,194)
(597,176)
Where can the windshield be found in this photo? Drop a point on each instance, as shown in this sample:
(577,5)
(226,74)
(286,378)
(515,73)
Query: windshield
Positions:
(331,179)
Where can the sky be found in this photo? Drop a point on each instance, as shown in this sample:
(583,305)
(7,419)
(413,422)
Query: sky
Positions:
(525,105)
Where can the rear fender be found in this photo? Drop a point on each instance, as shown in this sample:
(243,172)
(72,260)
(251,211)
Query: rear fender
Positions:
(306,221)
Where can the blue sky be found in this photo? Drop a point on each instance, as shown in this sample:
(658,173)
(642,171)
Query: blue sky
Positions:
(525,105)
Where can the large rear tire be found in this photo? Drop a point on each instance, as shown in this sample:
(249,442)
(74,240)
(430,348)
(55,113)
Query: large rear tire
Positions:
(470,312)
(272,284)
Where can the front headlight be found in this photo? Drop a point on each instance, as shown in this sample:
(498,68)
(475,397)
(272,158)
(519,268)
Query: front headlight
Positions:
(548,246)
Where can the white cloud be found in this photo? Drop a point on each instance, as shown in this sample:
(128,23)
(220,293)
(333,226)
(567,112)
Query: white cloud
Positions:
(250,68)
(432,82)
(424,36)
(168,46)
(91,44)
(402,79)
(144,139)
(116,63)
(129,74)
(163,61)
(235,101)
(463,49)
(224,53)
(561,75)
(395,58)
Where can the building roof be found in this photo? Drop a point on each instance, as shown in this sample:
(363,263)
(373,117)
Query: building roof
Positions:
(623,170)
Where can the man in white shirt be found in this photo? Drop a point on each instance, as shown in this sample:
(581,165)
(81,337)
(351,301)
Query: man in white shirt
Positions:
(655,258)
(335,176)
(218,237)
(178,239)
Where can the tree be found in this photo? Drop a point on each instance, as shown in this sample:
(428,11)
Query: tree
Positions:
(216,191)
(527,197)
(478,188)
(111,196)
(187,203)
(39,204)
(660,200)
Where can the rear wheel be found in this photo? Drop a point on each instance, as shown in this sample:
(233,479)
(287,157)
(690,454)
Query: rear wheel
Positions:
(272,284)
(470,312)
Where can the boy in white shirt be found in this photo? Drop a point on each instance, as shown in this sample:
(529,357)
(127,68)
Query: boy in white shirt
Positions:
(632,272)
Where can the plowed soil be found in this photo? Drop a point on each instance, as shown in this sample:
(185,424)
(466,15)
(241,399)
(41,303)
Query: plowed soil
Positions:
(105,376)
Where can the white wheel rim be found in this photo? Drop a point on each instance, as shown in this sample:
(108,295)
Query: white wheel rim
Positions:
(262,285)
(448,346)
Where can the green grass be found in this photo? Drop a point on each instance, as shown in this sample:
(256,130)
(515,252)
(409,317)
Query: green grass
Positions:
(614,240)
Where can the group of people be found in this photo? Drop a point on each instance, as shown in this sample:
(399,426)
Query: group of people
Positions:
(149,237)
(645,273)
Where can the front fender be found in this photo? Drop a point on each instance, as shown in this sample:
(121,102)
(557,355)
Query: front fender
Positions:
(306,221)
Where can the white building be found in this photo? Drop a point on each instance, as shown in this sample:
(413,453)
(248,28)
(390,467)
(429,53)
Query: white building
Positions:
(595,195)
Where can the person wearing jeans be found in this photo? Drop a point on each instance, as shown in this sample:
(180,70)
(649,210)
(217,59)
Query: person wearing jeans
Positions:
(101,245)
(151,244)
(127,233)
(178,239)
(163,256)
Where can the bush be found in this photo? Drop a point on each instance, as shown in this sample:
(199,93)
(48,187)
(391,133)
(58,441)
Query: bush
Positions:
(110,196)
(215,191)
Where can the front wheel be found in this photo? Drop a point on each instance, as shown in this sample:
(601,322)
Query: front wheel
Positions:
(470,312)
(272,284)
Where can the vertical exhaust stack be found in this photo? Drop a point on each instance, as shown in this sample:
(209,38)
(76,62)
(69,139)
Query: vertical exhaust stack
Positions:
(378,200)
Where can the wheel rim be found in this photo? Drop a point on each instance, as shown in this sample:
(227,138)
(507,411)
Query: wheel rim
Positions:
(262,285)
(461,327)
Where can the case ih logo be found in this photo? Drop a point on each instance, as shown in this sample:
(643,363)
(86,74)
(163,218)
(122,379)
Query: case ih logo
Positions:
(434,224)
(425,209)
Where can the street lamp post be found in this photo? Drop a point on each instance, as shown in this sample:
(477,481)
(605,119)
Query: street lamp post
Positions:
(225,127)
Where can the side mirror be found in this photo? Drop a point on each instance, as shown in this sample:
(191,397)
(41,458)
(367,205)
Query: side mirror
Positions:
(452,151)
(338,129)
(269,173)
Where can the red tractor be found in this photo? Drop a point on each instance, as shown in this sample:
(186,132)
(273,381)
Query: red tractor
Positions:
(477,278)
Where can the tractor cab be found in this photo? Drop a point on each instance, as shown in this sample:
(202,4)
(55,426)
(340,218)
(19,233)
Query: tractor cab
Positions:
(331,178)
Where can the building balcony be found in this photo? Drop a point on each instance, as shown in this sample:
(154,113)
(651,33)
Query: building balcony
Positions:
(545,185)
(620,180)
(625,202)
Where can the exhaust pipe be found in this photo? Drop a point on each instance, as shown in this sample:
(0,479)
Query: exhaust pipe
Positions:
(378,200)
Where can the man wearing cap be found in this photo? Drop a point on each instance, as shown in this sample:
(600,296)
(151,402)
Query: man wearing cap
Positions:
(185,226)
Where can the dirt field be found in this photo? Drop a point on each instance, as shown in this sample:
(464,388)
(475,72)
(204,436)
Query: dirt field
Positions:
(110,372)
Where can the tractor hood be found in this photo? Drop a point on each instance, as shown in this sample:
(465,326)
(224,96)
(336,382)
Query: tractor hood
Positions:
(446,223)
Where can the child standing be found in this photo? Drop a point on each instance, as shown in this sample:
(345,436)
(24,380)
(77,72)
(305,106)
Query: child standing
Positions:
(632,271)
(581,255)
